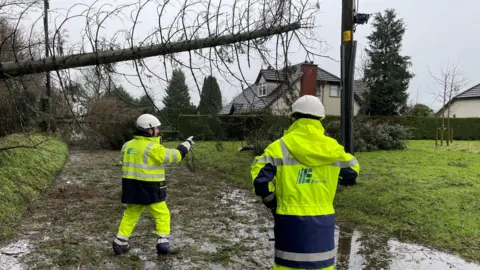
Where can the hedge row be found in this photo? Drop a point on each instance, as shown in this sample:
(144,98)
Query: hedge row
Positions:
(238,127)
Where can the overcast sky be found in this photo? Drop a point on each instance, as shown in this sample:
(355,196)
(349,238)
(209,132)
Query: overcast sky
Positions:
(437,31)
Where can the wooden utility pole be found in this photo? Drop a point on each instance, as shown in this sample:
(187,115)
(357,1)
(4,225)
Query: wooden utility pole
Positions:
(48,101)
(347,50)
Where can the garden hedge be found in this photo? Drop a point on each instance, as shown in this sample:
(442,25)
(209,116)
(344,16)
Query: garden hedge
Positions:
(238,127)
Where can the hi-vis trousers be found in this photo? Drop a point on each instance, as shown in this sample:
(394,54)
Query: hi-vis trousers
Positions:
(279,267)
(159,211)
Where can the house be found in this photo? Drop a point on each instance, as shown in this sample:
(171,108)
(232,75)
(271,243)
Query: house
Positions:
(270,90)
(463,105)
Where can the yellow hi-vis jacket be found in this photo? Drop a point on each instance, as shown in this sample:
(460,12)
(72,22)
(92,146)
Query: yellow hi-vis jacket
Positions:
(143,170)
(301,171)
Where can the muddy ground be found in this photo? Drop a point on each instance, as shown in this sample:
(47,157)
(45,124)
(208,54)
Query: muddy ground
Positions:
(72,224)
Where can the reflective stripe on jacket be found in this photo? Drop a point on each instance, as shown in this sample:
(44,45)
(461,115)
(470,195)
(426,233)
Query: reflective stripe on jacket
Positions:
(302,170)
(143,170)
(144,159)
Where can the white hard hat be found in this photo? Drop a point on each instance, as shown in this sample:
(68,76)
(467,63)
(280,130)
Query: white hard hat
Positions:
(310,105)
(147,121)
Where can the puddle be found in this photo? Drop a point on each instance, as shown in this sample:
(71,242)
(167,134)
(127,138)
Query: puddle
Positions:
(358,250)
(10,255)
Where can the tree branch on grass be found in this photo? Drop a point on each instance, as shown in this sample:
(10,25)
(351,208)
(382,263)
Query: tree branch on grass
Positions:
(34,146)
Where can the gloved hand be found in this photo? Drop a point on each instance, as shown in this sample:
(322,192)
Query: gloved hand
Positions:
(270,203)
(188,143)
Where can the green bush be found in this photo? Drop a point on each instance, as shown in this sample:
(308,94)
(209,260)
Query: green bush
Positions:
(370,136)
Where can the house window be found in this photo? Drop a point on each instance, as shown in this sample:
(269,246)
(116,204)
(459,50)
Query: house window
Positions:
(262,90)
(319,91)
(334,91)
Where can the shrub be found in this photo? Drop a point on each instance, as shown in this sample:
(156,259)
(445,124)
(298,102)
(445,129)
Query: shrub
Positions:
(118,122)
(371,136)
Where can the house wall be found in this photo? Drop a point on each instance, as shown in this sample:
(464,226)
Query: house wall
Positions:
(333,103)
(280,107)
(464,108)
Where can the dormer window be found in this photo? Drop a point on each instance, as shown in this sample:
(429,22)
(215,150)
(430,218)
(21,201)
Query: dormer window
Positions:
(262,90)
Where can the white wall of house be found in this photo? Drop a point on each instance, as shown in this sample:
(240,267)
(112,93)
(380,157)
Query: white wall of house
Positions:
(330,96)
(279,107)
(464,108)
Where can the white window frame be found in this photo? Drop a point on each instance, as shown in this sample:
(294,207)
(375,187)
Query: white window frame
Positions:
(262,90)
(334,88)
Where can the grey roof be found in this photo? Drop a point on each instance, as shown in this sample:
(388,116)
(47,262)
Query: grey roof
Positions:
(273,75)
(473,92)
(249,100)
(323,75)
(359,87)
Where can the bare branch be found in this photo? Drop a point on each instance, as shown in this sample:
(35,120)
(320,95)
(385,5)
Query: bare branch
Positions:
(450,81)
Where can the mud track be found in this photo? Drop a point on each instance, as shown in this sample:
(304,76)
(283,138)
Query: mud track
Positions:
(71,226)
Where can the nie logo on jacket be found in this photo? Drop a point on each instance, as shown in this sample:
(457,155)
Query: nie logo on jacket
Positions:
(305,177)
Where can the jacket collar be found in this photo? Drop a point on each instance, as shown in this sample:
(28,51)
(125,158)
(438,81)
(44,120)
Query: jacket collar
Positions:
(145,136)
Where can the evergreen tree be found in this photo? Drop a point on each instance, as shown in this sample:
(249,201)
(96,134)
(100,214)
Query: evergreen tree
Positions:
(420,110)
(146,105)
(211,97)
(122,95)
(177,99)
(386,75)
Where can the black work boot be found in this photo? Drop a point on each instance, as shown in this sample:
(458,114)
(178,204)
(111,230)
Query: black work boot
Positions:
(120,246)
(164,248)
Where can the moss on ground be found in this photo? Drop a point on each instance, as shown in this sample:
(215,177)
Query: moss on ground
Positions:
(425,194)
(25,172)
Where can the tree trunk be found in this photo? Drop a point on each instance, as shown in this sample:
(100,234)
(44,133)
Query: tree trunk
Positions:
(14,69)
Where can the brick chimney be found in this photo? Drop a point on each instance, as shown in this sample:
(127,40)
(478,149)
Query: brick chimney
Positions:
(308,84)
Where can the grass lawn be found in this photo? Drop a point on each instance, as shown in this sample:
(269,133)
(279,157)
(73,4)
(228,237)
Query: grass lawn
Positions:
(425,194)
(24,172)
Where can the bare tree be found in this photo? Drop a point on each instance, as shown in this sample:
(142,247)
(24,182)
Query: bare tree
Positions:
(450,81)
(201,36)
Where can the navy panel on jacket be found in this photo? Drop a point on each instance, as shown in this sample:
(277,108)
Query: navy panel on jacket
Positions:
(183,150)
(305,234)
(143,192)
(266,175)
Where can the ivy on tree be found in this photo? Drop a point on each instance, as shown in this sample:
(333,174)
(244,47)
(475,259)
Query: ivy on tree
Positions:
(177,99)
(386,73)
(210,97)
